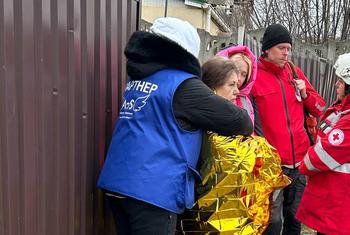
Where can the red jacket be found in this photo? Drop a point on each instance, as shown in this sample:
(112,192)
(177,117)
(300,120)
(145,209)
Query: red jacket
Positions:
(281,114)
(325,204)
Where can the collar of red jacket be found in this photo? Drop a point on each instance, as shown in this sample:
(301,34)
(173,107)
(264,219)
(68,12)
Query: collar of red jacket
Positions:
(346,103)
(270,66)
(338,106)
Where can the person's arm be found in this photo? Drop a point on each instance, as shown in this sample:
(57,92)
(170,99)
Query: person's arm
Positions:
(313,102)
(331,152)
(195,106)
(257,123)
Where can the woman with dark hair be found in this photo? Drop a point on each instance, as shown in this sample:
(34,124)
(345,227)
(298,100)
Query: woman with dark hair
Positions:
(221,75)
(326,201)
(238,173)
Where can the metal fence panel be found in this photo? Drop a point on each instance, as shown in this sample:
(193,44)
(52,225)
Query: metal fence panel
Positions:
(61,79)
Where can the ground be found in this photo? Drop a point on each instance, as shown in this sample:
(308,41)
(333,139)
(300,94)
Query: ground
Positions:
(307,231)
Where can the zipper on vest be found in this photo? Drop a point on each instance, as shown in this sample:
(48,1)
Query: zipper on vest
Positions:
(288,119)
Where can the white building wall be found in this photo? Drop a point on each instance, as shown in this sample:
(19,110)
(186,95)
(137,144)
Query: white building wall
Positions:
(153,9)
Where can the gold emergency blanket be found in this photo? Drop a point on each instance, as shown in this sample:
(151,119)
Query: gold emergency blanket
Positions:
(239,176)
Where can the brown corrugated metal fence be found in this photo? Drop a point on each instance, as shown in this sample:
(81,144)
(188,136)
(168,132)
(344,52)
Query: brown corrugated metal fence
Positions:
(62,73)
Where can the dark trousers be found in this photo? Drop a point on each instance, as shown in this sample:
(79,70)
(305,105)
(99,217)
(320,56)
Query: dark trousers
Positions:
(134,217)
(287,203)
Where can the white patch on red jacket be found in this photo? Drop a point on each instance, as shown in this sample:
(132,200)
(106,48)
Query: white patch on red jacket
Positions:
(336,137)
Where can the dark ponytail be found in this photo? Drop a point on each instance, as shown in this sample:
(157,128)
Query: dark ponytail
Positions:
(347,89)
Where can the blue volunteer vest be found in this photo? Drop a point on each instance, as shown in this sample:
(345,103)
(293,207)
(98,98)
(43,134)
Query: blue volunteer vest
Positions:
(150,157)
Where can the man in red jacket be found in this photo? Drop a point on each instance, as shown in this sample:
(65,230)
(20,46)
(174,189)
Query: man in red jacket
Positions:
(279,99)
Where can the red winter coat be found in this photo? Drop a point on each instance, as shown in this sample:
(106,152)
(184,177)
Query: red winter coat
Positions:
(325,204)
(281,114)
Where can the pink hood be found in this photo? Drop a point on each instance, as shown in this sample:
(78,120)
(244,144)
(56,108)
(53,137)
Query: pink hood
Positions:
(228,52)
(243,99)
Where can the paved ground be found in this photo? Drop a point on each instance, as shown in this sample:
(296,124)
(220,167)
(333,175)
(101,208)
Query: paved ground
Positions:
(307,231)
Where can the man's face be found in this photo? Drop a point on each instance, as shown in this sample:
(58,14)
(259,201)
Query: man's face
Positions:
(278,54)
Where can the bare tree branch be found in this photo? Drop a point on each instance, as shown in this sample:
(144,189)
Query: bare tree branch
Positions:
(314,21)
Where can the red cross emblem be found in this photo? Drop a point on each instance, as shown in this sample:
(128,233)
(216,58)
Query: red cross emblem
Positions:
(336,137)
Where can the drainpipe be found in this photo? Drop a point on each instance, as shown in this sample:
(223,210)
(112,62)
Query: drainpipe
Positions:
(206,7)
(208,23)
(166,8)
(241,32)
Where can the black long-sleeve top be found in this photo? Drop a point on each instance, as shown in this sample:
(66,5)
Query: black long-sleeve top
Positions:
(195,106)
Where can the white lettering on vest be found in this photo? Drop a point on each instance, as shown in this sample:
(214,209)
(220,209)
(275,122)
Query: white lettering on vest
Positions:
(142,86)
